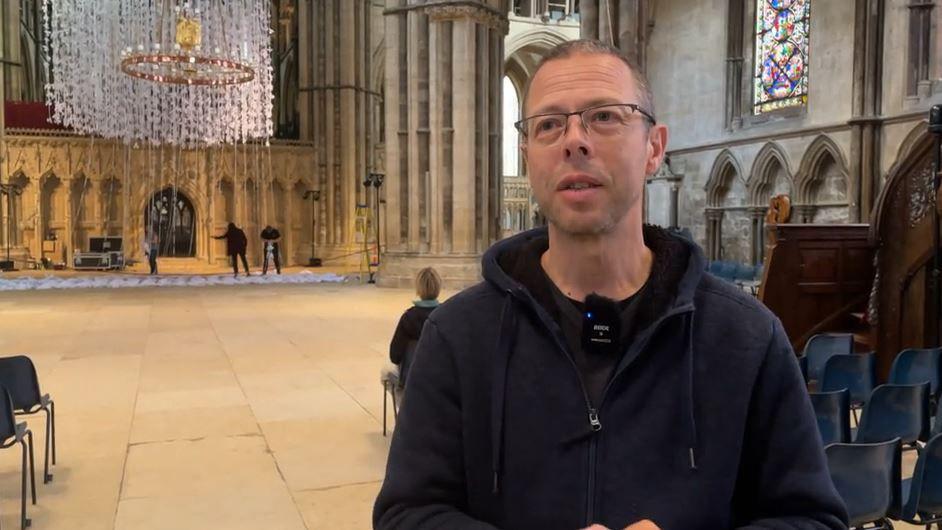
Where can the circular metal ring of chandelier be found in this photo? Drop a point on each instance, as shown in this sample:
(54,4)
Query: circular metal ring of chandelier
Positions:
(187,69)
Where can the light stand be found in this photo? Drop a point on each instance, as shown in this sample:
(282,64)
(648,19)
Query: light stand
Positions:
(315,196)
(374,180)
(935,128)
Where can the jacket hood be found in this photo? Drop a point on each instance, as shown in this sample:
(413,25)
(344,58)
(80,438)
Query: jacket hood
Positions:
(498,258)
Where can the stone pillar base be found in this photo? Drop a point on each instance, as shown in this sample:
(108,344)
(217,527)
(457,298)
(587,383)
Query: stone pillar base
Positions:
(457,271)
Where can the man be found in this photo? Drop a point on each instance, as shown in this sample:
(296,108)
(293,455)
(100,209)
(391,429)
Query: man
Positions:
(270,237)
(236,243)
(151,250)
(692,416)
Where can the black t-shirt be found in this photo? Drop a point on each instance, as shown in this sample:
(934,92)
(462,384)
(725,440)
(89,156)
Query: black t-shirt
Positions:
(596,368)
(271,233)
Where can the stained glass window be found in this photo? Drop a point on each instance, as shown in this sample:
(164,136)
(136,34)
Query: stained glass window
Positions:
(781,77)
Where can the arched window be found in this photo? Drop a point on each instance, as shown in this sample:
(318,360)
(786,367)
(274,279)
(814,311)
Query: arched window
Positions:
(511,113)
(781,46)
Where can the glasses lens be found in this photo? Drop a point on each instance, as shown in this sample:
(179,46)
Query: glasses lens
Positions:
(546,128)
(608,120)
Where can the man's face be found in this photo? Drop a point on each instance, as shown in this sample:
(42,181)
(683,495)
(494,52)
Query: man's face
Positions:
(586,183)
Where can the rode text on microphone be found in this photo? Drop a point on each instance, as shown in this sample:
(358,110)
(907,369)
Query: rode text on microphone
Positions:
(601,325)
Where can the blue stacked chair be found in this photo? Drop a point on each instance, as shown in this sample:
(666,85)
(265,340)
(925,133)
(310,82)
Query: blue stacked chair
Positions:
(867,477)
(896,411)
(855,372)
(921,495)
(914,365)
(822,347)
(832,411)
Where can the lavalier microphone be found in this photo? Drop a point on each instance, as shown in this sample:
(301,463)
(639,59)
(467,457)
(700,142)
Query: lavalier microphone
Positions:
(601,325)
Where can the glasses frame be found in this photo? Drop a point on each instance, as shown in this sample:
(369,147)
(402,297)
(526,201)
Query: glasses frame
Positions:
(520,125)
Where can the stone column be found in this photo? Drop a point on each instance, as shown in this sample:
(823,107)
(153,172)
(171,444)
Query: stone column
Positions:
(714,218)
(444,65)
(757,215)
(866,125)
(68,241)
(675,184)
(339,101)
(621,23)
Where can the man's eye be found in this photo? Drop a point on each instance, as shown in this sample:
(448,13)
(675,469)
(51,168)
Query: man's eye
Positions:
(548,125)
(603,115)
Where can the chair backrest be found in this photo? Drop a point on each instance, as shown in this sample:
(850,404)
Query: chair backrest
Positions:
(867,476)
(895,411)
(925,492)
(832,410)
(726,270)
(745,273)
(803,366)
(406,363)
(820,348)
(855,372)
(914,365)
(7,419)
(18,375)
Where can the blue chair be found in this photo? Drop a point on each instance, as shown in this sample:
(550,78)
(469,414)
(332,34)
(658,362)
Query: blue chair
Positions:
(867,477)
(822,347)
(18,375)
(12,433)
(896,411)
(744,273)
(921,495)
(803,365)
(913,366)
(832,410)
(855,372)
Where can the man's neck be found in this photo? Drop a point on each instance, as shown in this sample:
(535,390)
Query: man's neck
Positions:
(615,264)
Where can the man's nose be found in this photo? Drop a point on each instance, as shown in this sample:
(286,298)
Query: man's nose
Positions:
(576,138)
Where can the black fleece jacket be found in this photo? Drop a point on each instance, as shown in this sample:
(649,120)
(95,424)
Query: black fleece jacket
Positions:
(705,423)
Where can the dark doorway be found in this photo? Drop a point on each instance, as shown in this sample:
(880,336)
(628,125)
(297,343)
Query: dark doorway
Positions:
(171,214)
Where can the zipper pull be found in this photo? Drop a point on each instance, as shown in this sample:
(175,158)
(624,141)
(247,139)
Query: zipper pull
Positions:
(594,420)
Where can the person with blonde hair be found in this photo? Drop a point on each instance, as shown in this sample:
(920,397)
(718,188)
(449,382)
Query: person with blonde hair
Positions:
(428,285)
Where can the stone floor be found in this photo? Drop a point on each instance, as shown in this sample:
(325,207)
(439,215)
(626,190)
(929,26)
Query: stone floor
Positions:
(218,407)
(202,408)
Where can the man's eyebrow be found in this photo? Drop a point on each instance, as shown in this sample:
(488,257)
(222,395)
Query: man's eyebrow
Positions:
(591,103)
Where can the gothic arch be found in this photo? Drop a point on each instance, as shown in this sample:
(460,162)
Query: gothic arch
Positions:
(524,52)
(809,174)
(725,168)
(761,176)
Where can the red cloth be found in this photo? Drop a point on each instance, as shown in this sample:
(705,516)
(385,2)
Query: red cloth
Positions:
(28,115)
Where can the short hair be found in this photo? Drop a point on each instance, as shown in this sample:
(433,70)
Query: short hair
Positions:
(428,284)
(593,47)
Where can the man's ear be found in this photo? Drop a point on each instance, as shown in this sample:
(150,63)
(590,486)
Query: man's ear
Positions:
(657,148)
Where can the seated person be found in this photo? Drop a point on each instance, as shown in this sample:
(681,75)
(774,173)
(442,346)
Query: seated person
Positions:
(428,285)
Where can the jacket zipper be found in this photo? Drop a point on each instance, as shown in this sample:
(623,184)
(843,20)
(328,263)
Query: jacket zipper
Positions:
(593,447)
(595,424)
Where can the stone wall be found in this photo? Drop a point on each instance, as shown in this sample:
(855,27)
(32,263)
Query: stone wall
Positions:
(74,188)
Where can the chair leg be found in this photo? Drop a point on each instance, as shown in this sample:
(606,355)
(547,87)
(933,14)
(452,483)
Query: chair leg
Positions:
(24,522)
(395,405)
(385,399)
(47,477)
(32,466)
(52,413)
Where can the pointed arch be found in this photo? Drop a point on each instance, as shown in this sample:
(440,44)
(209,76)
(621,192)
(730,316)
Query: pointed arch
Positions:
(809,174)
(725,169)
(763,175)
